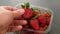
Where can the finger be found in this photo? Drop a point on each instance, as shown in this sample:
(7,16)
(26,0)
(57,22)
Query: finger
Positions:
(18,13)
(9,29)
(14,28)
(20,22)
(9,8)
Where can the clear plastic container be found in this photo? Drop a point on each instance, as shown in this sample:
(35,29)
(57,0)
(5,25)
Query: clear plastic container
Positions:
(30,31)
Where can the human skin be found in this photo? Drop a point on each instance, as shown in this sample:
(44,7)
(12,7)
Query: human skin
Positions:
(7,16)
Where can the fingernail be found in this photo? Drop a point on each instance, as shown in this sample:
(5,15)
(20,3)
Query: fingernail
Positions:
(21,11)
(24,21)
(18,12)
(20,27)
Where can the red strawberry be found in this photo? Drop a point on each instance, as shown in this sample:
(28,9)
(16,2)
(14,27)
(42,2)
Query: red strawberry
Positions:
(35,13)
(48,20)
(42,19)
(47,13)
(45,28)
(28,13)
(41,29)
(34,24)
(42,25)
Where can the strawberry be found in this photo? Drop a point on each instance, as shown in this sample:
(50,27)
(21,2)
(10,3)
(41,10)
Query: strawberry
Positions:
(34,24)
(48,20)
(42,25)
(36,11)
(41,29)
(42,19)
(28,13)
(47,13)
(45,27)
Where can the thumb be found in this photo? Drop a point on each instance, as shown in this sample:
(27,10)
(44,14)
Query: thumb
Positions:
(18,13)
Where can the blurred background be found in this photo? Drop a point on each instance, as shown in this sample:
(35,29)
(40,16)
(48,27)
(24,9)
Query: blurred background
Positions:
(52,4)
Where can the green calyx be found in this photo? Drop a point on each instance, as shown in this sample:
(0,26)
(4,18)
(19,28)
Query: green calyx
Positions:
(35,9)
(36,16)
(49,12)
(25,5)
(45,28)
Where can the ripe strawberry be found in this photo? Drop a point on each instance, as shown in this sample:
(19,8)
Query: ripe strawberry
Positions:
(41,29)
(48,20)
(47,13)
(42,19)
(35,13)
(46,26)
(28,13)
(39,32)
(42,25)
(34,24)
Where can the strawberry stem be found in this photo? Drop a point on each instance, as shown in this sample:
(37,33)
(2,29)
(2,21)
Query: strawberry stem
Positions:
(25,5)
(35,9)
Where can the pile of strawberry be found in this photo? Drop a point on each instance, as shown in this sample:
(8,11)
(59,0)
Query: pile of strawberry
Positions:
(35,18)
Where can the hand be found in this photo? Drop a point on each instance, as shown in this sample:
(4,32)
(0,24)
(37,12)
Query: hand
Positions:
(7,16)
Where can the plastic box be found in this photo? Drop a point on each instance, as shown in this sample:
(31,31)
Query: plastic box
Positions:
(29,31)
